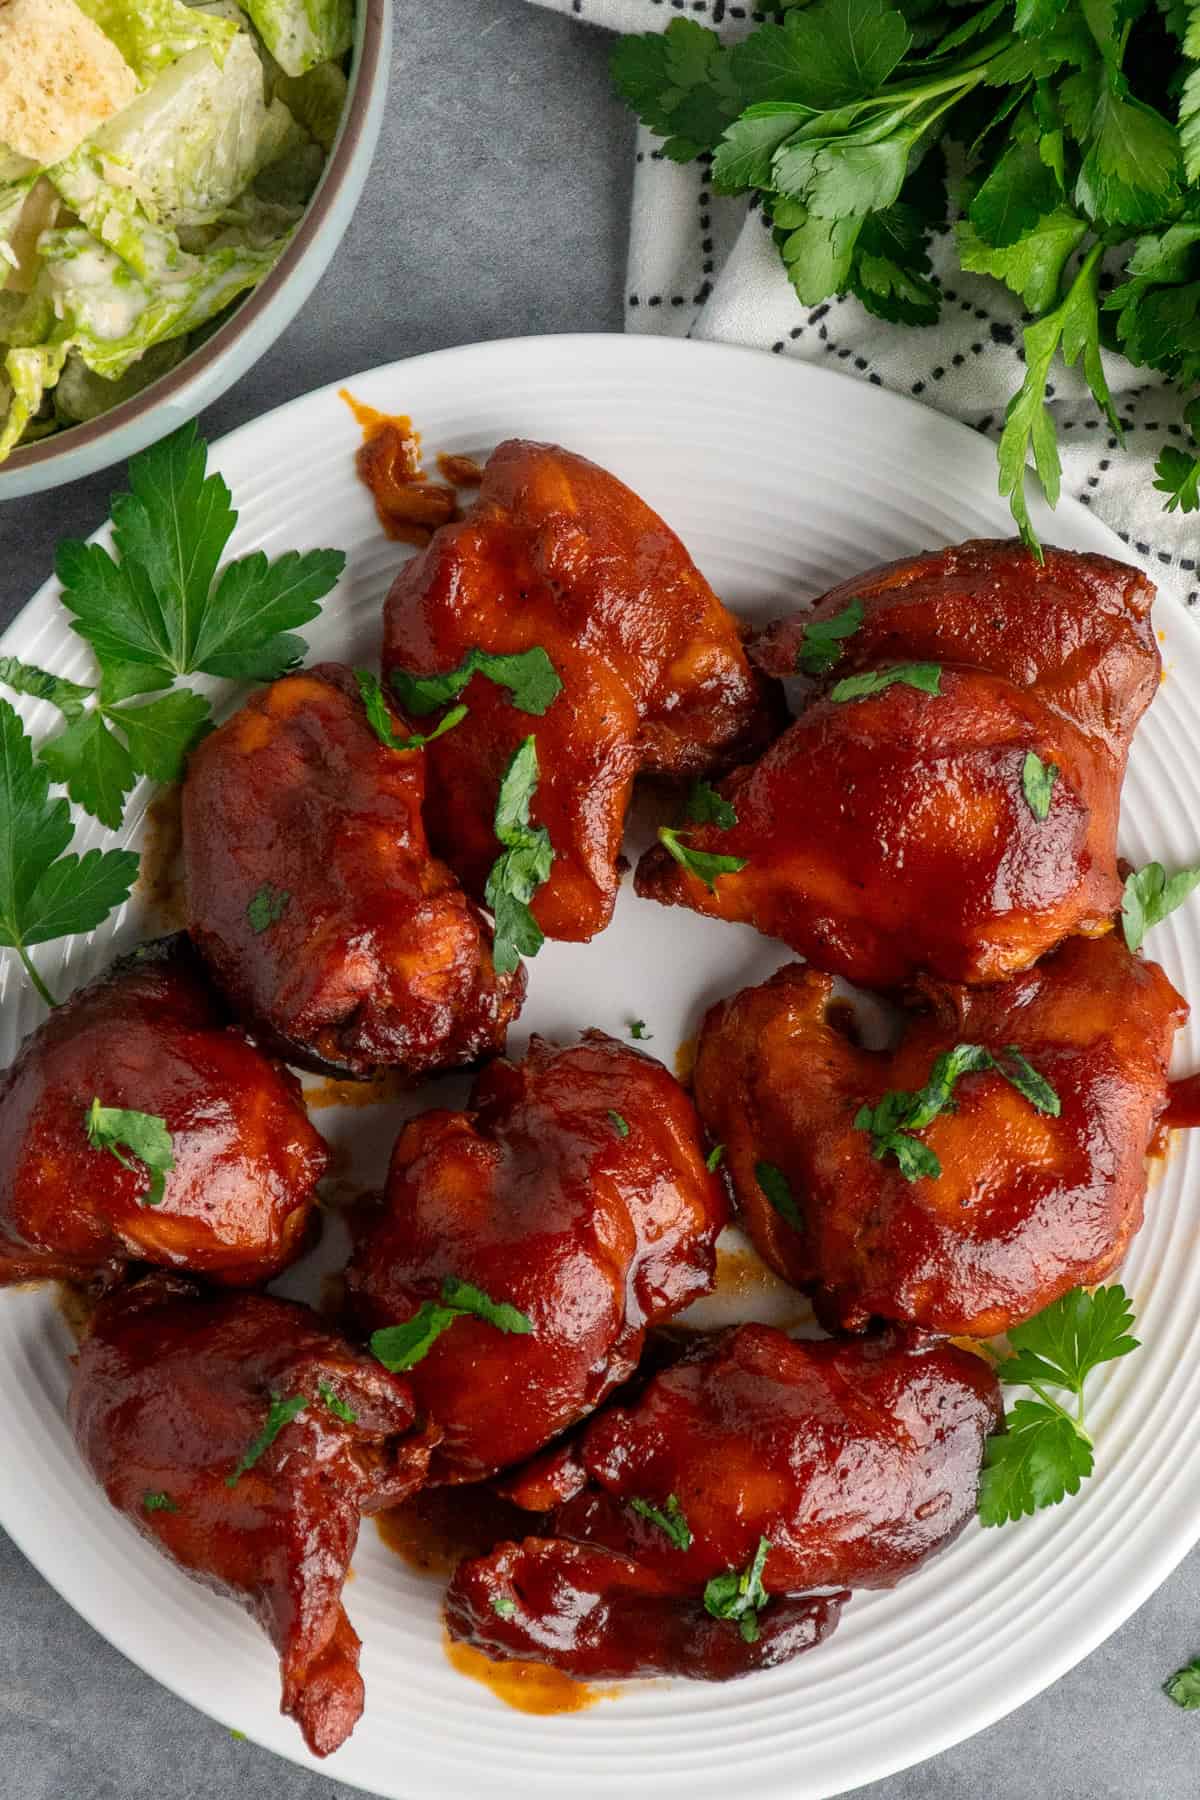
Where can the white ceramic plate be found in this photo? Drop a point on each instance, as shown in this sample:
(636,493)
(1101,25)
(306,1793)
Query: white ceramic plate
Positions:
(782,479)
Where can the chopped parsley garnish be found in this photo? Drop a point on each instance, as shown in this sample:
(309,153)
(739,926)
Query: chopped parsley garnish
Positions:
(337,1407)
(266,907)
(523,864)
(638,1032)
(740,1596)
(1046,1452)
(399,1347)
(529,675)
(706,807)
(158,1502)
(925,676)
(775,1185)
(712,1161)
(115,1129)
(280,1414)
(503,1605)
(380,719)
(620,1123)
(823,642)
(1149,895)
(701,863)
(899,1113)
(1183,1687)
(1038,779)
(669,1518)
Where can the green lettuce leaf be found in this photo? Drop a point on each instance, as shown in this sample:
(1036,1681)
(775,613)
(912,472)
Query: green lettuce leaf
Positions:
(301,33)
(152,34)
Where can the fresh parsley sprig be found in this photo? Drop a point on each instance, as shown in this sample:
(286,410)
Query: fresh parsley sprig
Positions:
(159,610)
(399,1347)
(45,894)
(926,677)
(705,806)
(1077,130)
(522,866)
(117,1129)
(1037,783)
(1045,1452)
(778,1190)
(893,1119)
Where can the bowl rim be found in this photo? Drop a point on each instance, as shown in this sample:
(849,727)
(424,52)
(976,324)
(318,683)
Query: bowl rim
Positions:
(365,70)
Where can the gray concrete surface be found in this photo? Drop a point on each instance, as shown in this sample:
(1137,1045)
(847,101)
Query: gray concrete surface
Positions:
(496,207)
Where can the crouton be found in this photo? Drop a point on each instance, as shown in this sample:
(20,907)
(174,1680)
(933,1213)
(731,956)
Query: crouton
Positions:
(60,77)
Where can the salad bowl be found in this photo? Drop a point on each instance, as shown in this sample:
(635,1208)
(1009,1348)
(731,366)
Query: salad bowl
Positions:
(213,365)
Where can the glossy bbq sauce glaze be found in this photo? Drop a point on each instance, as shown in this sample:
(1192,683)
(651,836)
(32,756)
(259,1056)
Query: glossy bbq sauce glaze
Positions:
(1183,1104)
(432,1533)
(410,507)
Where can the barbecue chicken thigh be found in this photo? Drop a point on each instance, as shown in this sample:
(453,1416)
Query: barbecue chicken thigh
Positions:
(827,1465)
(314,896)
(558,556)
(244,1439)
(151,1038)
(947,801)
(573,1190)
(1023,1176)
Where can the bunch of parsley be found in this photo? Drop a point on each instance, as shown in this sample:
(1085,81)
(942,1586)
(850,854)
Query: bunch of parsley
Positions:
(1077,126)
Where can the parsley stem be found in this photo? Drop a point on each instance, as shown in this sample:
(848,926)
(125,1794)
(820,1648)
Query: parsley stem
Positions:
(36,979)
(1076,1424)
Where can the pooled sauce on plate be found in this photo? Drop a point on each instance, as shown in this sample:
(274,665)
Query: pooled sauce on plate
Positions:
(528,1687)
(388,1085)
(409,506)
(1183,1105)
(432,1533)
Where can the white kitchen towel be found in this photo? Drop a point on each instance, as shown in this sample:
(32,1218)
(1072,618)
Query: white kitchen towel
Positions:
(705,266)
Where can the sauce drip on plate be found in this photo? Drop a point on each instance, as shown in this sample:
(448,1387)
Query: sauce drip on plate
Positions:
(528,1687)
(410,507)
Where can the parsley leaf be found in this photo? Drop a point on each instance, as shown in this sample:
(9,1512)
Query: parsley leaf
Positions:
(44,894)
(522,865)
(503,1605)
(24,678)
(706,807)
(1149,895)
(703,864)
(924,676)
(529,675)
(266,907)
(669,1518)
(1179,477)
(681,81)
(740,1596)
(145,1134)
(158,1502)
(821,645)
(398,1347)
(280,1414)
(775,1185)
(1183,1687)
(1033,266)
(337,1406)
(380,720)
(620,1123)
(899,1113)
(1045,1451)
(638,1032)
(713,1160)
(1075,328)
(1037,780)
(156,613)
